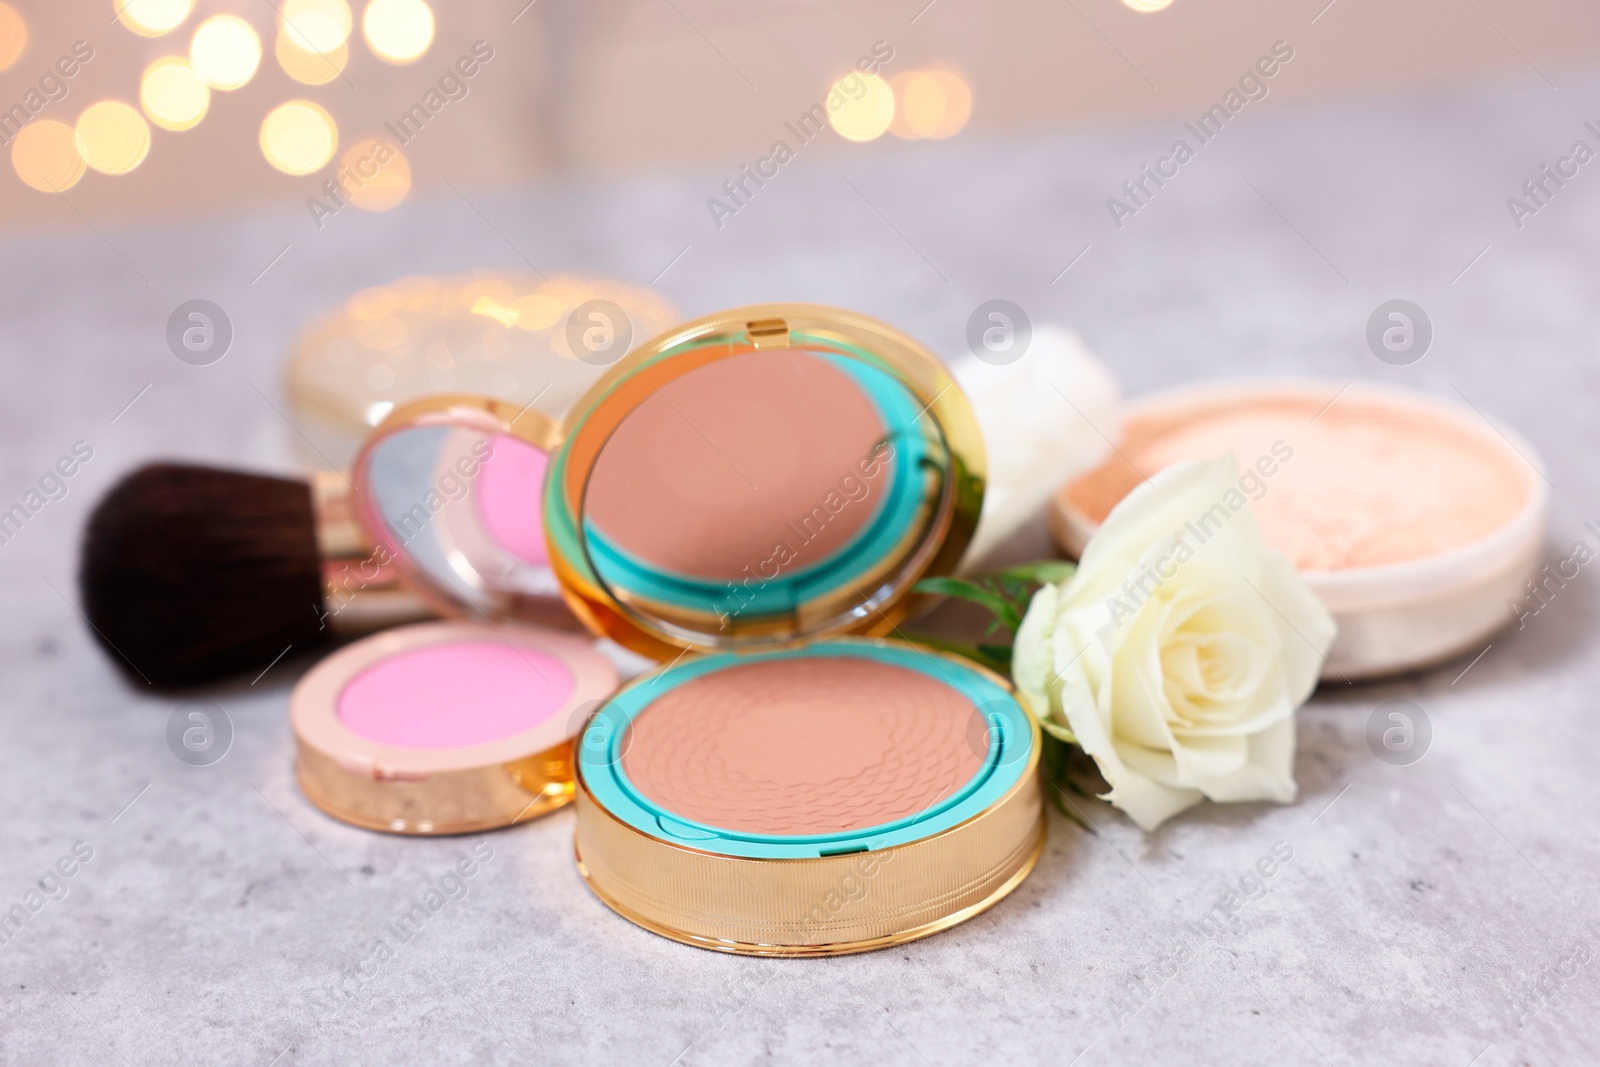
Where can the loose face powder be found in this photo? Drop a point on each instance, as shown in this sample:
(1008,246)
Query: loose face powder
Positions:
(707,475)
(1367,481)
(814,745)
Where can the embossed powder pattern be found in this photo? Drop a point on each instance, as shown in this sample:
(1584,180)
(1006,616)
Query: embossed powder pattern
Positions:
(804,746)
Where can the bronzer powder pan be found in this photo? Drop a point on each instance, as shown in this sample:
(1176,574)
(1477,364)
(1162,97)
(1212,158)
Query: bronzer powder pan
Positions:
(445,727)
(750,499)
(809,746)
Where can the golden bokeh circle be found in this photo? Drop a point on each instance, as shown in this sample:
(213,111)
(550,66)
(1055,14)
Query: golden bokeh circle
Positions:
(860,107)
(298,137)
(46,156)
(398,31)
(225,51)
(372,185)
(315,25)
(172,94)
(152,18)
(309,68)
(930,103)
(13,36)
(1147,6)
(113,137)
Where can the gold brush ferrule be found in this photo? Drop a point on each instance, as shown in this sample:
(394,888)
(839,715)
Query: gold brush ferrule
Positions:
(361,588)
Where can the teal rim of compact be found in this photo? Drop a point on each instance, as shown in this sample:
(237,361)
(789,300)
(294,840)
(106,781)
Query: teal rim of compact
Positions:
(1008,737)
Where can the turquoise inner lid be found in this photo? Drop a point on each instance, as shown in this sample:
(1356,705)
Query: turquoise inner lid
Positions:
(1009,743)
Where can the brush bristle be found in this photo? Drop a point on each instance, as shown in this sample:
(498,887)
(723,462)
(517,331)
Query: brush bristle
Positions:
(193,574)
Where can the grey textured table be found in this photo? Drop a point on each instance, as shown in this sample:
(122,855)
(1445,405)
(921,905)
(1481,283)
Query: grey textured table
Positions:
(1430,914)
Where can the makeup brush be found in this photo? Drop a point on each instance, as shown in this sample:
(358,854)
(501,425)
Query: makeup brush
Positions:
(192,574)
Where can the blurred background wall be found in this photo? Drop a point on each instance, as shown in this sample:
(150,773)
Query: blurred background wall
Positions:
(579,88)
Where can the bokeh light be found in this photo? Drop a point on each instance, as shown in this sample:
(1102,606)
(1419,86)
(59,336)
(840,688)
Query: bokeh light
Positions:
(374,175)
(152,18)
(225,51)
(930,103)
(309,68)
(298,137)
(1147,6)
(315,25)
(172,94)
(13,36)
(860,107)
(112,137)
(398,31)
(45,155)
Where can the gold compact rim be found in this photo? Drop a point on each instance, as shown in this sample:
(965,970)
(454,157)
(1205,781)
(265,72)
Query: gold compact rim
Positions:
(888,598)
(816,905)
(497,783)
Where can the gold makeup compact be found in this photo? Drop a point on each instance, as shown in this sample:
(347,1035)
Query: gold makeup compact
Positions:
(750,498)
(464,725)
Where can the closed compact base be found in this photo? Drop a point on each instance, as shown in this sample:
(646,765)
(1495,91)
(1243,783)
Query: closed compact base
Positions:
(823,906)
(448,802)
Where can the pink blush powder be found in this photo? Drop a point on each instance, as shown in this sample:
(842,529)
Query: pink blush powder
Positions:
(454,695)
(510,492)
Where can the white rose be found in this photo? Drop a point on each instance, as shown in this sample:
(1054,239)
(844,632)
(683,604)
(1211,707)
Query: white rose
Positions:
(1178,652)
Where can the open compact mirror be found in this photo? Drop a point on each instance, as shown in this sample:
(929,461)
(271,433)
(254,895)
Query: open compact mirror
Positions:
(742,482)
(449,490)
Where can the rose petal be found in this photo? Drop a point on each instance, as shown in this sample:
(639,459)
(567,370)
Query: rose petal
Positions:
(1030,652)
(1267,775)
(1148,802)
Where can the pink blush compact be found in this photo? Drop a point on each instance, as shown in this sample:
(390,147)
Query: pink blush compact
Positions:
(446,727)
